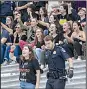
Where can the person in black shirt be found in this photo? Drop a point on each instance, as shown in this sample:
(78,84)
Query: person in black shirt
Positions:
(39,4)
(71,10)
(43,17)
(68,46)
(17,36)
(23,11)
(43,14)
(64,16)
(78,38)
(57,36)
(31,12)
(28,67)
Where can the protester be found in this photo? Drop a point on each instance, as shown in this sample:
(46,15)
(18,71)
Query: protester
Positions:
(5,38)
(28,67)
(17,36)
(79,37)
(68,45)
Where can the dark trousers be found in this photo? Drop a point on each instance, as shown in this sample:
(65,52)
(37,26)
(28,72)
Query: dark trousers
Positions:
(69,49)
(55,83)
(78,48)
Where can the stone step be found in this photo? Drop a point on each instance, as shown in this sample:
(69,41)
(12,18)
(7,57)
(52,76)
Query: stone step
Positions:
(80,85)
(75,72)
(16,66)
(77,79)
(10,71)
(16,70)
(10,66)
(12,81)
(72,81)
(7,77)
(77,62)
(16,83)
(11,86)
(77,85)
(10,76)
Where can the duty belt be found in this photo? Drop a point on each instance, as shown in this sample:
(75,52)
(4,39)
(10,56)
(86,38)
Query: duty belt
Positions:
(57,74)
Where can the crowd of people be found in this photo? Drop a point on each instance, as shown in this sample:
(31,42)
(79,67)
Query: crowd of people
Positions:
(30,22)
(27,23)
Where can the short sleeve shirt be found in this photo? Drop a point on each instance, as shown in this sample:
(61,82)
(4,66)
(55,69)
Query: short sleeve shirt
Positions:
(5,34)
(28,70)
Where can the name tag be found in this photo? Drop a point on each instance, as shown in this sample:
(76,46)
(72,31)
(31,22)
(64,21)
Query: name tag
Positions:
(63,50)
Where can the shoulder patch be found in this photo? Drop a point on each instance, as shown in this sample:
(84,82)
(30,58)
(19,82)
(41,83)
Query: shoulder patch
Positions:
(63,50)
(54,52)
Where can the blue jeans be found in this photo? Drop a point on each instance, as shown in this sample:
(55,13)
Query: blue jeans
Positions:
(16,52)
(40,55)
(3,48)
(25,85)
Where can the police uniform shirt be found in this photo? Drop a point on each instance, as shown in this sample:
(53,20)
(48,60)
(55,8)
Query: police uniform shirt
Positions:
(28,70)
(56,58)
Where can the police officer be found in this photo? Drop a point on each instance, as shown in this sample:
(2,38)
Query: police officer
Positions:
(55,58)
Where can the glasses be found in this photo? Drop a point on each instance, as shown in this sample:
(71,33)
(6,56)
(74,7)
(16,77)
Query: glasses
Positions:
(17,27)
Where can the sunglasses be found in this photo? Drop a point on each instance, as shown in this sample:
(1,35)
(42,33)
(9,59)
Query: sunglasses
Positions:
(17,27)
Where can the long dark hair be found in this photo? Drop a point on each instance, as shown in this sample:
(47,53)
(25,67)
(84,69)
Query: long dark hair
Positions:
(11,25)
(65,6)
(42,36)
(44,10)
(31,56)
(78,23)
(70,25)
(58,26)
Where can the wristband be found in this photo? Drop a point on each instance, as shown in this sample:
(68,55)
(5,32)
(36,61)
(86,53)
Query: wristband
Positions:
(11,51)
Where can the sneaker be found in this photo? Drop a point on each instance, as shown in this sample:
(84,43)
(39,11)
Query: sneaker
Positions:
(79,59)
(42,66)
(5,63)
(12,62)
